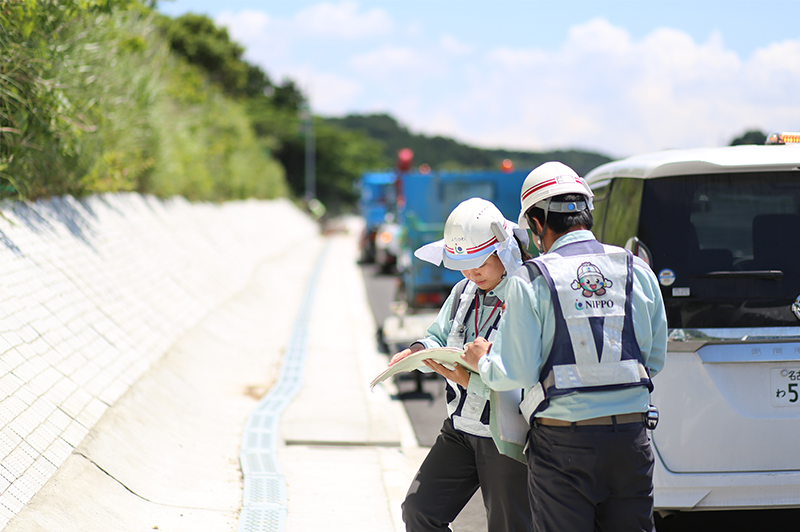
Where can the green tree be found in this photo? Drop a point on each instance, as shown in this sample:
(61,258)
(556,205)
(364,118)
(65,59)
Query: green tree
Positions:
(341,157)
(202,43)
(443,153)
(274,113)
(207,148)
(752,136)
(196,38)
(92,100)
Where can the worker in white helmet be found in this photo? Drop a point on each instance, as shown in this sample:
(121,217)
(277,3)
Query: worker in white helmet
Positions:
(484,246)
(584,331)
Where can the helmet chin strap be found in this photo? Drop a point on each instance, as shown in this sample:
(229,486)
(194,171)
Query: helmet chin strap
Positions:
(531,223)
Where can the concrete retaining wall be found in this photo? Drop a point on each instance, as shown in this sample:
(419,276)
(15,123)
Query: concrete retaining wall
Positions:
(92,293)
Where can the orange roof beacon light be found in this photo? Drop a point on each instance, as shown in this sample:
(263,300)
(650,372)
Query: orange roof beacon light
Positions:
(783,138)
(385,237)
(404,159)
(424,169)
(506,166)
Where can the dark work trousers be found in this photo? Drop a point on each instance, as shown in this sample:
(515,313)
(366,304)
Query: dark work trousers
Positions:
(591,478)
(455,467)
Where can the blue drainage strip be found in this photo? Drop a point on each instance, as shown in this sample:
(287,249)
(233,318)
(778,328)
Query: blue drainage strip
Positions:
(264,502)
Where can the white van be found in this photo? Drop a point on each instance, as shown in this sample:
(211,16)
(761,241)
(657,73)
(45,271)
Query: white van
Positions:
(721,229)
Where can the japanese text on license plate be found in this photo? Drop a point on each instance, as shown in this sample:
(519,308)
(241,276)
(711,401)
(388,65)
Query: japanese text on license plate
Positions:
(785,386)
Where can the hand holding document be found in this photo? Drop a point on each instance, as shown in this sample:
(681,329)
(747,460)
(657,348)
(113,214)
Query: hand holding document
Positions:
(446,356)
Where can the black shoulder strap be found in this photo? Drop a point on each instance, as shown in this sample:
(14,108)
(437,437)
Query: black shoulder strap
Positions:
(457,291)
(533,270)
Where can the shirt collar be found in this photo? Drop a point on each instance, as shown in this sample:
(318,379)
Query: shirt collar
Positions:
(499,291)
(580,235)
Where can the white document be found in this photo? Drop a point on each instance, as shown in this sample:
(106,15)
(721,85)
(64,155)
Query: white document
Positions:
(446,356)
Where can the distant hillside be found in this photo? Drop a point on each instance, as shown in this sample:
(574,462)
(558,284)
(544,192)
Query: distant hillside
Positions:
(443,153)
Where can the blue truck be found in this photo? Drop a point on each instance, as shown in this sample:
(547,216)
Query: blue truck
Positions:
(377,202)
(427,201)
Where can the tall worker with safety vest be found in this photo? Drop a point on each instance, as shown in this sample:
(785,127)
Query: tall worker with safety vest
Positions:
(583,332)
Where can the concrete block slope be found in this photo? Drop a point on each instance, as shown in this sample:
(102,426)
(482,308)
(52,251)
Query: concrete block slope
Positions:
(93,295)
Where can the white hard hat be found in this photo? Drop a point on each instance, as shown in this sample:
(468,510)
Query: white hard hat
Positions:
(553,179)
(473,231)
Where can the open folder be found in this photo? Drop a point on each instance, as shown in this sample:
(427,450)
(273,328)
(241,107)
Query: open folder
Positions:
(446,356)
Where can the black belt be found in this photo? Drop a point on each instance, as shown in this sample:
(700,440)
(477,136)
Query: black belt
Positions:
(605,420)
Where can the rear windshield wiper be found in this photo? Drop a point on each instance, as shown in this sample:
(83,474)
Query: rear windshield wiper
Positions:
(769,275)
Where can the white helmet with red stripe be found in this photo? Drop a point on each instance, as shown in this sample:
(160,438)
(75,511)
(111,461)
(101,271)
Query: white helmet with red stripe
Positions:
(473,231)
(553,179)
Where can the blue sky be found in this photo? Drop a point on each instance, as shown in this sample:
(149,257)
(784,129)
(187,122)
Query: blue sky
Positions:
(618,77)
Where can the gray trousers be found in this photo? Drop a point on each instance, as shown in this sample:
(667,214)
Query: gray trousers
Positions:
(455,467)
(591,478)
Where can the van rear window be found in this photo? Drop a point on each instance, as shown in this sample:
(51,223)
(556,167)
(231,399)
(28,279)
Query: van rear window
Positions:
(727,239)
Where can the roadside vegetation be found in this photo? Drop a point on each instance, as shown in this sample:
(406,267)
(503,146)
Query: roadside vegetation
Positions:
(442,153)
(108,95)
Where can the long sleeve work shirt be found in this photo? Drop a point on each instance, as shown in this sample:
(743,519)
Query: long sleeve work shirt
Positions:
(525,338)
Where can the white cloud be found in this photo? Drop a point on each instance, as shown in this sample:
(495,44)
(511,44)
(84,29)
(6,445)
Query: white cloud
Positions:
(603,90)
(600,89)
(597,36)
(774,72)
(298,47)
(385,60)
(454,46)
(342,20)
(511,59)
(264,37)
(780,57)
(330,94)
(249,25)
(393,65)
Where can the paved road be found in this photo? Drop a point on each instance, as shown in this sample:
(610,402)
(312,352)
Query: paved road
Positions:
(426,410)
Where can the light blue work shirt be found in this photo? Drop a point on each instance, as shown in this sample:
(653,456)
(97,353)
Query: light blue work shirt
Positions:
(437,335)
(525,338)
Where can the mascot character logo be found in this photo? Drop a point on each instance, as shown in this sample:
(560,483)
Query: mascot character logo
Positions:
(591,281)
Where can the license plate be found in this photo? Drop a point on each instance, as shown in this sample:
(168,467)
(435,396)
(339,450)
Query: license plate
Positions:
(785,387)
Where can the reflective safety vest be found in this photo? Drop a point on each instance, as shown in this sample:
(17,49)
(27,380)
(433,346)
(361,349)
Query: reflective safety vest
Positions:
(594,346)
(469,412)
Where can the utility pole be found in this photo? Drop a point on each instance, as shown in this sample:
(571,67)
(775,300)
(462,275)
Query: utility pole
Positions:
(308,118)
